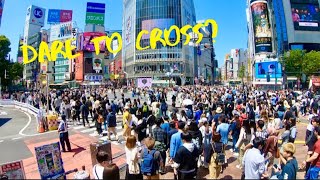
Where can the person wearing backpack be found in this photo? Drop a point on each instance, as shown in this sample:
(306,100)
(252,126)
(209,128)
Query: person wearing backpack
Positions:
(186,158)
(145,110)
(160,137)
(112,123)
(151,160)
(216,157)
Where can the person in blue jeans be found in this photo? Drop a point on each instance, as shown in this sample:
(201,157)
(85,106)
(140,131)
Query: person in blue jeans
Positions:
(235,132)
(313,172)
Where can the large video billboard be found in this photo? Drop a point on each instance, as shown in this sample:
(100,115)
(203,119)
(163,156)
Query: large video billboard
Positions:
(273,68)
(261,26)
(36,15)
(87,45)
(157,23)
(305,15)
(59,15)
(61,31)
(1,9)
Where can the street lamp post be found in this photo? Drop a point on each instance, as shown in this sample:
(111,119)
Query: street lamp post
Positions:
(47,84)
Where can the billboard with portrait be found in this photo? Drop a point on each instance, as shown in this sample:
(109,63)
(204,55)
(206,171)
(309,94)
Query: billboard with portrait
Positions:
(261,26)
(61,31)
(59,15)
(273,68)
(87,45)
(305,15)
(157,23)
(36,15)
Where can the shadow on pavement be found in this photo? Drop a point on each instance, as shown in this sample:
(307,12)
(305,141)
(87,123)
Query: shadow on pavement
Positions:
(77,150)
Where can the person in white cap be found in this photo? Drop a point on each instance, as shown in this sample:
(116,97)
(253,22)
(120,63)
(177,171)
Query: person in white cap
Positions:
(127,122)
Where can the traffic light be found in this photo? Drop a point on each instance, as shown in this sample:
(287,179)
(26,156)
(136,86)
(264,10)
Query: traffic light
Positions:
(268,78)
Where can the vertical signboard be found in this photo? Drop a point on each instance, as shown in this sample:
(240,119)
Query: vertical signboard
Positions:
(79,67)
(1,9)
(14,170)
(261,26)
(95,13)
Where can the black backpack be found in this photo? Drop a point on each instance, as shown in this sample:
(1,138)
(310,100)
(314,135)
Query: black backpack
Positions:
(251,114)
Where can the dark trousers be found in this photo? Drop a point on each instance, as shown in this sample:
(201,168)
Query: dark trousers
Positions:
(85,117)
(64,138)
(308,134)
(191,175)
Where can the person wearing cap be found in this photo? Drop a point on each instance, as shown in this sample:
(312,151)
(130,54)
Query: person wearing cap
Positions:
(217,115)
(63,134)
(289,171)
(127,122)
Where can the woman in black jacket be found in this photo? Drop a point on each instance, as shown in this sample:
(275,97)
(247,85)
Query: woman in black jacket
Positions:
(216,148)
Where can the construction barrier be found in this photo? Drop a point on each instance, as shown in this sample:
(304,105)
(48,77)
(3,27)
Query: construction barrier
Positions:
(53,123)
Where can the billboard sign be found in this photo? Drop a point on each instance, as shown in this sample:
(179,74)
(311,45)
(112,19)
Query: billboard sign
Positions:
(273,68)
(261,27)
(97,65)
(144,82)
(79,67)
(87,45)
(95,13)
(49,160)
(61,31)
(1,9)
(128,31)
(36,15)
(157,23)
(74,36)
(305,15)
(14,170)
(93,77)
(58,16)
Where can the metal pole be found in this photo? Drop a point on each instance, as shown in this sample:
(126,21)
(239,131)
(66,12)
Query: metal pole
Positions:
(0,89)
(47,83)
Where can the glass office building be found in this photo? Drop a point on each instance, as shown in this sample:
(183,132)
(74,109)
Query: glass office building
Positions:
(163,62)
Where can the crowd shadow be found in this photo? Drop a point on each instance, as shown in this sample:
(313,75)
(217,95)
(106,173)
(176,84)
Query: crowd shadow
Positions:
(77,150)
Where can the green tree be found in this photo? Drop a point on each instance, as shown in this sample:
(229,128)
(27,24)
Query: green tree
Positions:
(242,72)
(311,62)
(4,64)
(16,71)
(293,62)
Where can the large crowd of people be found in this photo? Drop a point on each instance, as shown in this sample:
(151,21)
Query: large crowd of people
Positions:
(183,129)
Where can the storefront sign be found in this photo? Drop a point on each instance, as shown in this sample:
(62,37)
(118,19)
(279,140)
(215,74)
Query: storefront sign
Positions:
(13,170)
(90,77)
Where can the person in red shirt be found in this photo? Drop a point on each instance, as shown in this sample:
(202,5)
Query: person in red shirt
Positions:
(314,169)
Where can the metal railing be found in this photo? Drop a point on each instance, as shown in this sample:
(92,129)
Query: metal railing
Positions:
(20,105)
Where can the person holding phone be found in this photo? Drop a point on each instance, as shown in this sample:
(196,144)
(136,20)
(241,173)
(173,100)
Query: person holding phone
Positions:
(289,171)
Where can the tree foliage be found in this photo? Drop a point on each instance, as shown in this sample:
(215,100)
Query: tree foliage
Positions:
(297,62)
(242,72)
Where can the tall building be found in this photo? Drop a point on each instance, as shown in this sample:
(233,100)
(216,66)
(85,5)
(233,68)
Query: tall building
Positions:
(35,18)
(233,61)
(162,63)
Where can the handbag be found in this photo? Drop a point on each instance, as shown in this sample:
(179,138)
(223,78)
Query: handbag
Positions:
(134,168)
(277,155)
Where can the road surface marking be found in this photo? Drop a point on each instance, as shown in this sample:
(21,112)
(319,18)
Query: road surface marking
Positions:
(119,127)
(105,138)
(79,127)
(94,134)
(88,130)
(16,138)
(3,113)
(1,141)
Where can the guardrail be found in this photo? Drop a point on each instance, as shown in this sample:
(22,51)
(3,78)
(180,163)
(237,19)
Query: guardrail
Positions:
(23,106)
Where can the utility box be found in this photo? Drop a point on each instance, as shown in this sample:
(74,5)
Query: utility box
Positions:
(98,146)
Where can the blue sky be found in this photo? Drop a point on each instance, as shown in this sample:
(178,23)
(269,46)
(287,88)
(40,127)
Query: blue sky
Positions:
(229,15)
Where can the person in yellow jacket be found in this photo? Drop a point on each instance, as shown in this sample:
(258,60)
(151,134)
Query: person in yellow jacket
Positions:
(127,123)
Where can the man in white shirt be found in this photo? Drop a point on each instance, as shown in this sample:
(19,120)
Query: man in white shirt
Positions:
(253,161)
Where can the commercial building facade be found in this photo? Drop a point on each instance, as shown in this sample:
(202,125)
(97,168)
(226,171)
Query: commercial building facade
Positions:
(175,63)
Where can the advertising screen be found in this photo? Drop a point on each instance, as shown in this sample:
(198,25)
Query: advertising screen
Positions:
(157,23)
(61,31)
(144,82)
(59,15)
(261,27)
(87,45)
(273,68)
(1,10)
(305,15)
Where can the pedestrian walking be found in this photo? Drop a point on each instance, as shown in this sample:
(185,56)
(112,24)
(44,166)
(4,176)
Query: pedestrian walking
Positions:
(63,134)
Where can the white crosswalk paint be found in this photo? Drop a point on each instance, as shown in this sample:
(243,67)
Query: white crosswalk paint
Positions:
(88,130)
(1,141)
(79,127)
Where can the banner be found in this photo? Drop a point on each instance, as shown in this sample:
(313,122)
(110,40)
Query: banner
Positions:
(273,68)
(61,31)
(144,82)
(1,9)
(261,27)
(97,65)
(49,160)
(95,13)
(79,67)
(305,15)
(36,15)
(13,170)
(88,45)
(59,15)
